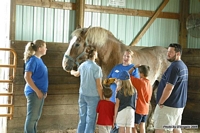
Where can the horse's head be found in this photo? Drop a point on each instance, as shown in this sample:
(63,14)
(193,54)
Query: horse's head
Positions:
(75,53)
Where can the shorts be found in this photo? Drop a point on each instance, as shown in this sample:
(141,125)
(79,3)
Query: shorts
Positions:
(126,117)
(167,117)
(140,118)
(104,129)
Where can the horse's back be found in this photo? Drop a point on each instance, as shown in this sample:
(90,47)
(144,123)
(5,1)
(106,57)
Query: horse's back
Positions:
(155,57)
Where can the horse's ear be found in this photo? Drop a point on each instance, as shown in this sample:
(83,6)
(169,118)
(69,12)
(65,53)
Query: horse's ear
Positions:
(78,26)
(84,31)
(89,26)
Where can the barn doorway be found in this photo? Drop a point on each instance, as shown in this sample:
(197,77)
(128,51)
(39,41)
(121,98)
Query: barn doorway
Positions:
(4,58)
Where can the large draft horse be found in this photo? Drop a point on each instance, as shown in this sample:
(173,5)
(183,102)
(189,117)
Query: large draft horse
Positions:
(110,51)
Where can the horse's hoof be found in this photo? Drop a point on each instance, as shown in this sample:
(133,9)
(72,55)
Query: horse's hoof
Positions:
(150,129)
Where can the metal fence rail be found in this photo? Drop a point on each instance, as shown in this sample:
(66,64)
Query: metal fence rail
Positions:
(9,93)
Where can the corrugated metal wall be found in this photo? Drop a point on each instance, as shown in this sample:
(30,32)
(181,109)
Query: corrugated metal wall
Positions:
(51,25)
(194,42)
(56,25)
(125,28)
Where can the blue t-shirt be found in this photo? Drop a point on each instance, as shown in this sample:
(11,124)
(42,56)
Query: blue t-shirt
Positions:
(177,75)
(89,72)
(39,75)
(113,74)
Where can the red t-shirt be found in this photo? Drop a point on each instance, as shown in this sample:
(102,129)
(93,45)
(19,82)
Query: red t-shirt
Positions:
(105,109)
(144,91)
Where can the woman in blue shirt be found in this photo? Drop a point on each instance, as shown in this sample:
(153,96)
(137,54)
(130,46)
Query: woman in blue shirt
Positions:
(126,65)
(36,77)
(90,91)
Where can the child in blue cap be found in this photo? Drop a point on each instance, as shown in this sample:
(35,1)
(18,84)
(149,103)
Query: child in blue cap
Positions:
(125,103)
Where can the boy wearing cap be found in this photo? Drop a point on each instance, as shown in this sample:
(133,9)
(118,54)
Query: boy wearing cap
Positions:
(144,90)
(125,103)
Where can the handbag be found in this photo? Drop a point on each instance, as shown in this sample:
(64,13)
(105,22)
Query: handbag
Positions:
(115,129)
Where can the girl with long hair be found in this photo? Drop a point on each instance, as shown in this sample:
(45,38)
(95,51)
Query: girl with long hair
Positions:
(125,103)
(36,77)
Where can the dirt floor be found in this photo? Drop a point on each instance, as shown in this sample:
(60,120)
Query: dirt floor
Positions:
(191,131)
(74,131)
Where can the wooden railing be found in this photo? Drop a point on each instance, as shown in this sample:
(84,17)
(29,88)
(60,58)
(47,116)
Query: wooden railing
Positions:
(12,71)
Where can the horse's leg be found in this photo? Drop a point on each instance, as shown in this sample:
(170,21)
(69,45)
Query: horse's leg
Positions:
(150,127)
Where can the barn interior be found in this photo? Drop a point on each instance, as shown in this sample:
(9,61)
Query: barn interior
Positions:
(134,22)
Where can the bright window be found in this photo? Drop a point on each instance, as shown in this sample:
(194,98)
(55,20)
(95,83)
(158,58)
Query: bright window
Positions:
(4,58)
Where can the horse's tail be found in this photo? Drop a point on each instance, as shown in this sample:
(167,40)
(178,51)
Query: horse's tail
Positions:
(155,85)
(153,99)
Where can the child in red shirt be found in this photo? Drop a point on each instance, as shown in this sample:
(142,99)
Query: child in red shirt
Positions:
(144,89)
(105,111)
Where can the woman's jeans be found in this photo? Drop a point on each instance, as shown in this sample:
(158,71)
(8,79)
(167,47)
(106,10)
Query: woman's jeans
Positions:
(87,113)
(34,111)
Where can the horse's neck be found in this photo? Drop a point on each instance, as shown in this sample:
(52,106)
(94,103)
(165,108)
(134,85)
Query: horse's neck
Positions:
(109,56)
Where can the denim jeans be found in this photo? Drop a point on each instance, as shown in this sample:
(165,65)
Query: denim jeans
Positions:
(87,113)
(34,111)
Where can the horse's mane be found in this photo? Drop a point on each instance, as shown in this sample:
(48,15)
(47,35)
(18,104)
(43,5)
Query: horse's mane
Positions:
(95,35)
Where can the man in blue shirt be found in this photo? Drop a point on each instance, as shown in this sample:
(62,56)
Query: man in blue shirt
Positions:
(172,93)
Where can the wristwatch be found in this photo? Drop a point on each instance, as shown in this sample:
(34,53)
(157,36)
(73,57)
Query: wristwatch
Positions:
(160,104)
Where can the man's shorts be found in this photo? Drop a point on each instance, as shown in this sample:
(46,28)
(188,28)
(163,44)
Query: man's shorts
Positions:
(140,118)
(126,117)
(167,117)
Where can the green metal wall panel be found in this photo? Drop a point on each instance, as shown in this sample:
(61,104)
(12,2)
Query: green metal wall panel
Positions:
(125,28)
(50,25)
(38,25)
(172,6)
(56,25)
(19,24)
(28,22)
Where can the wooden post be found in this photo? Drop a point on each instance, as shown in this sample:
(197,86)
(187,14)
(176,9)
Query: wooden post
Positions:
(80,10)
(184,12)
(148,24)
(12,19)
